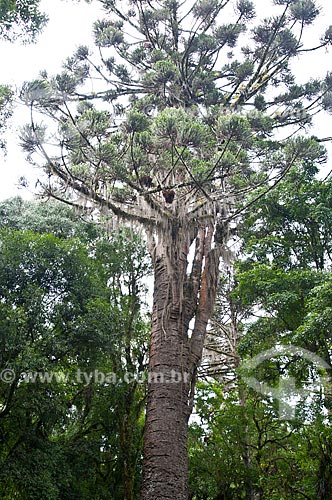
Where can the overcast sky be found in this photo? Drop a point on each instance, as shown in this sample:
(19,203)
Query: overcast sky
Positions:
(70,25)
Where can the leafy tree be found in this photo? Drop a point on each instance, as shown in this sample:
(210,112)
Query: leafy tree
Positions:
(285,269)
(290,227)
(243,451)
(69,308)
(48,217)
(20,19)
(285,276)
(193,96)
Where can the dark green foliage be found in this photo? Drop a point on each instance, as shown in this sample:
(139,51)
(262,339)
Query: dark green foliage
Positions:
(285,272)
(241,450)
(291,225)
(69,307)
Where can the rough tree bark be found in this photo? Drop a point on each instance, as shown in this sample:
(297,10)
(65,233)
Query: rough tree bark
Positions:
(175,355)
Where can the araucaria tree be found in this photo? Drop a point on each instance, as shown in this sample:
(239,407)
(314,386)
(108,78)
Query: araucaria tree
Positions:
(189,96)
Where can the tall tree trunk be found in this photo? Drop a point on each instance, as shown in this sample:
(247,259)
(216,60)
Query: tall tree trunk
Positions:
(174,357)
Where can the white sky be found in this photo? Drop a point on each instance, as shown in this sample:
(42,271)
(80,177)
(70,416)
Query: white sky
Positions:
(70,25)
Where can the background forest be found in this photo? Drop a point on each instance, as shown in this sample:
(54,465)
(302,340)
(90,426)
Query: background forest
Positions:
(218,156)
(72,299)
